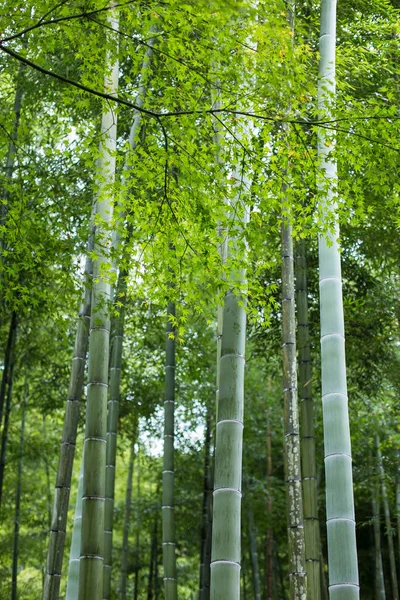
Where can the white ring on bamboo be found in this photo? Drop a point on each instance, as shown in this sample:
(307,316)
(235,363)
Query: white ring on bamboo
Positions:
(96,439)
(229,562)
(230,421)
(227,489)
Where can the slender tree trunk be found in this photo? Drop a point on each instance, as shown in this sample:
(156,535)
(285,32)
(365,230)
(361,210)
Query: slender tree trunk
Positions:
(204,556)
(156,575)
(253,553)
(398,502)
(12,334)
(307,437)
(269,539)
(168,517)
(137,549)
(153,560)
(17,514)
(127,514)
(68,443)
(227,496)
(244,577)
(297,573)
(112,426)
(93,500)
(116,356)
(74,562)
(386,509)
(4,436)
(342,548)
(379,578)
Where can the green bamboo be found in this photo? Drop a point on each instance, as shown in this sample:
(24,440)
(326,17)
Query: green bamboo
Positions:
(253,553)
(93,499)
(127,514)
(297,573)
(342,548)
(74,562)
(112,425)
(62,490)
(117,345)
(227,496)
(168,516)
(17,513)
(4,435)
(137,548)
(204,588)
(12,333)
(269,577)
(386,510)
(380,593)
(307,436)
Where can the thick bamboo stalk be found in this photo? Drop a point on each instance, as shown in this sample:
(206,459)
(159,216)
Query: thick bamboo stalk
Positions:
(127,514)
(116,357)
(380,593)
(93,499)
(205,558)
(307,436)
(17,514)
(68,442)
(168,516)
(75,552)
(297,573)
(4,435)
(112,426)
(227,496)
(386,510)
(342,548)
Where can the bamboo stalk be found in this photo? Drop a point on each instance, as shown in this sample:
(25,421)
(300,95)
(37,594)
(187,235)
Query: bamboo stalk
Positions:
(386,510)
(342,547)
(127,513)
(307,436)
(17,513)
(93,500)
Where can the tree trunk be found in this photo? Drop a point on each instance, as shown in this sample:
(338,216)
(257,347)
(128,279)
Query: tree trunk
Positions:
(12,334)
(127,514)
(389,531)
(205,531)
(116,349)
(4,436)
(269,539)
(225,556)
(398,503)
(342,548)
(379,578)
(14,580)
(93,500)
(153,560)
(168,517)
(74,563)
(112,426)
(253,553)
(307,437)
(297,573)
(137,549)
(68,443)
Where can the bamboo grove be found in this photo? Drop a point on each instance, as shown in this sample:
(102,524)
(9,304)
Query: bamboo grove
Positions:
(199,300)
